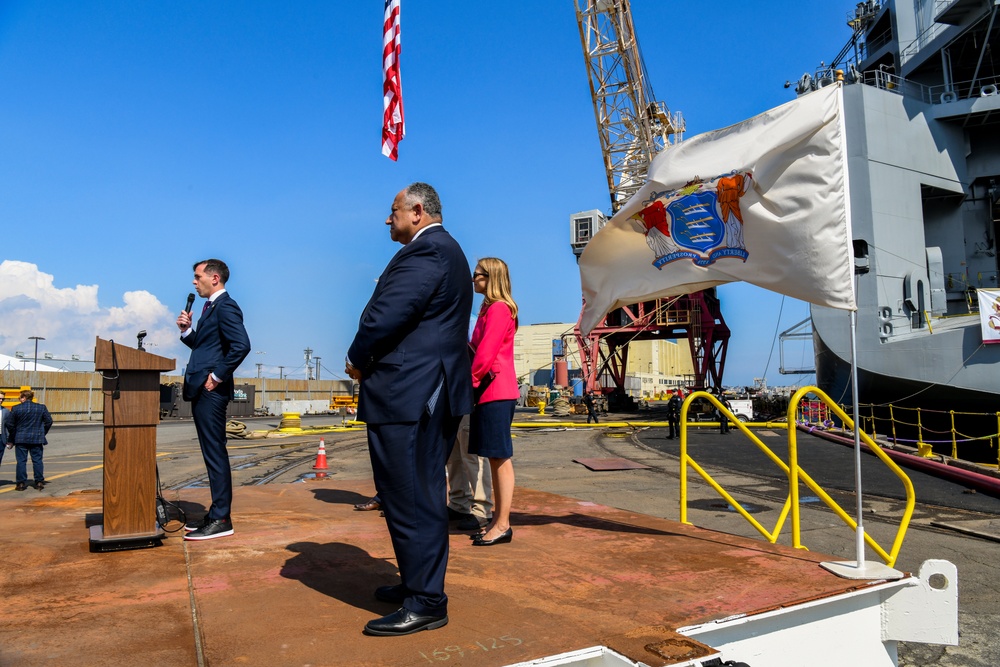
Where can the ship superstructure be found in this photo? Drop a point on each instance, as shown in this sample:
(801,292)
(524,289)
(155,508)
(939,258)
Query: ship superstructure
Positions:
(922,114)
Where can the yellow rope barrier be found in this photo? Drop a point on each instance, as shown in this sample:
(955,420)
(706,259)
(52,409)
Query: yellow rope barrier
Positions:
(927,435)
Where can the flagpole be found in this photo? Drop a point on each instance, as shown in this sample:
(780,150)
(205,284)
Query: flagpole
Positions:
(857,248)
(859,569)
(860,532)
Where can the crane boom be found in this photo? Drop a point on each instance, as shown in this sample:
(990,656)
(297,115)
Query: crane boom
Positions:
(632,125)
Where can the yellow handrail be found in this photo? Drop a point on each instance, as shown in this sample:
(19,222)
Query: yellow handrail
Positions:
(686,460)
(794,473)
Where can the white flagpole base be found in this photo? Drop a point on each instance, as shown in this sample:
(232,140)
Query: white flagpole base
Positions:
(868,570)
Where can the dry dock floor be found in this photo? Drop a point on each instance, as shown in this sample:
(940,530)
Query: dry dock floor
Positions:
(294,585)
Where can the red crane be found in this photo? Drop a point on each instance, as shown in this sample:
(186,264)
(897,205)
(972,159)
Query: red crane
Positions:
(633,127)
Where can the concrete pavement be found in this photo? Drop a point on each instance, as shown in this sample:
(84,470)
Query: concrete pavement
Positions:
(118,596)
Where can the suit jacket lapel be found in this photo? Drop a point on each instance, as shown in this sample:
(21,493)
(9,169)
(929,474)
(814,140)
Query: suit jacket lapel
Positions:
(211,308)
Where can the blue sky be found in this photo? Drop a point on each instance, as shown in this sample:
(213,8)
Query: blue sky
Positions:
(138,137)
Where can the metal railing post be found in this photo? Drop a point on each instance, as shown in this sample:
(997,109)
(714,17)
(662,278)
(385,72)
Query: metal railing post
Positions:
(682,426)
(892,421)
(920,430)
(954,441)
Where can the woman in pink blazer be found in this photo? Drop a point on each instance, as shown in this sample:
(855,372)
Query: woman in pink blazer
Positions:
(489,432)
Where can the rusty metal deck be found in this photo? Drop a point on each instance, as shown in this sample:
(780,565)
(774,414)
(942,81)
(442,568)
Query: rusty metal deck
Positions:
(294,585)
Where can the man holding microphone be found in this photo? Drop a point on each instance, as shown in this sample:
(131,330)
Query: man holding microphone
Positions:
(219,344)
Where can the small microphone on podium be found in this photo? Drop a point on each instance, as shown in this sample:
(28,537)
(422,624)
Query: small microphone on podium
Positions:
(189,304)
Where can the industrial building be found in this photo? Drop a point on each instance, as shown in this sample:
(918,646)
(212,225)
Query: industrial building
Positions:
(654,366)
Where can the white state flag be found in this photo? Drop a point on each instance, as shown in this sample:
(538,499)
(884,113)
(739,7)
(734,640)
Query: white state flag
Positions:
(764,201)
(989,314)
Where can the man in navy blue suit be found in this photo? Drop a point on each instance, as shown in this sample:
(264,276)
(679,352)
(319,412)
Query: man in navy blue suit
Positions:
(29,424)
(219,344)
(411,357)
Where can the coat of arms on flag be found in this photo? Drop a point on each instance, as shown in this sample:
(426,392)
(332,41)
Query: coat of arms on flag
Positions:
(701,221)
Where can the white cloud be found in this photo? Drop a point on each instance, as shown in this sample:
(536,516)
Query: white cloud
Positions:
(70,318)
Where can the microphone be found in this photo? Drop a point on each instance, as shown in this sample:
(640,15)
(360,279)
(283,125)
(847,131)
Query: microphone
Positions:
(190,303)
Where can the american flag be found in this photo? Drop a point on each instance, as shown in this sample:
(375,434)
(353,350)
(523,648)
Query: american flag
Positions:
(393,128)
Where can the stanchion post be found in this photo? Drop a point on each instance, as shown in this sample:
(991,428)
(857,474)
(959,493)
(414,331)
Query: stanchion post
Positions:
(920,428)
(954,441)
(892,421)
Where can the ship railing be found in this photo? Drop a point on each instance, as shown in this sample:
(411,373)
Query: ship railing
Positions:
(984,86)
(894,83)
(873,44)
(793,471)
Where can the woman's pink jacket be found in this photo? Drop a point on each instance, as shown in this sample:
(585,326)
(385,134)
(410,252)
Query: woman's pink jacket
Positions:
(493,344)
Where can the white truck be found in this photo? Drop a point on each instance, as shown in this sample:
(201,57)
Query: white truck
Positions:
(742,408)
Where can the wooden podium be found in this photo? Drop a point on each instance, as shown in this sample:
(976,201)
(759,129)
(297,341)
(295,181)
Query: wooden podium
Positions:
(131,413)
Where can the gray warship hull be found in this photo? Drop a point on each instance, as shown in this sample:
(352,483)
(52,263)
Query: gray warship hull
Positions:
(922,116)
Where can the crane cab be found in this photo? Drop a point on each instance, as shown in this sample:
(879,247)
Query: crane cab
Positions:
(582,227)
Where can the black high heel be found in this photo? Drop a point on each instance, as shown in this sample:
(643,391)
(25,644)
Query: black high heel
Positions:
(504,538)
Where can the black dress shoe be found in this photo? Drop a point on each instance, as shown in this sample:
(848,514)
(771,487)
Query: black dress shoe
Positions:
(403,622)
(505,537)
(211,530)
(369,505)
(395,594)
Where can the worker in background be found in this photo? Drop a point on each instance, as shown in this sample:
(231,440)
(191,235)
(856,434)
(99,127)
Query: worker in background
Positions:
(674,414)
(29,424)
(723,419)
(588,400)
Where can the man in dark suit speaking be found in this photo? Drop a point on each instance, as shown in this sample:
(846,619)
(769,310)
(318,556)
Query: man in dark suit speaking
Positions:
(411,357)
(219,344)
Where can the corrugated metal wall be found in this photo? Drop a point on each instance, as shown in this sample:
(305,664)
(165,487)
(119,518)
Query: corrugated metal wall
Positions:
(77,396)
(68,396)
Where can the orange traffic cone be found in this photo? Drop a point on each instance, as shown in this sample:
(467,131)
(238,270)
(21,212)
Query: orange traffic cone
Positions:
(321,456)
